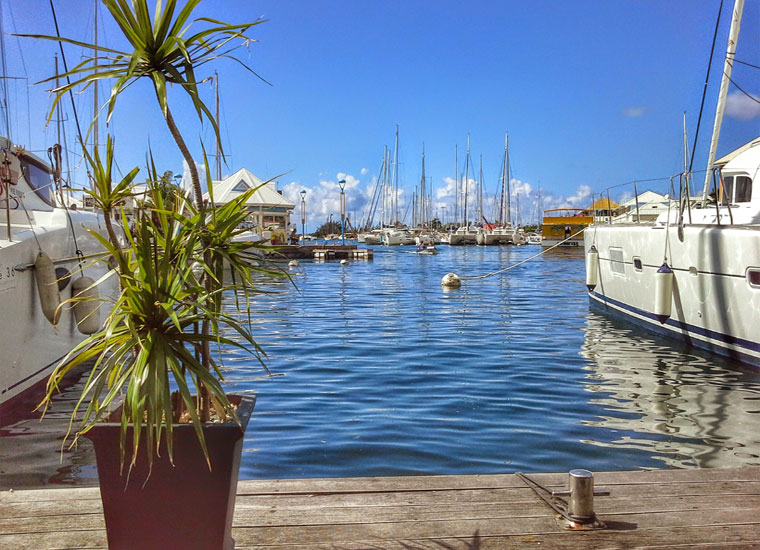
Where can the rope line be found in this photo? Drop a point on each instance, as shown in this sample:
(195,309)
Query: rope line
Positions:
(523,261)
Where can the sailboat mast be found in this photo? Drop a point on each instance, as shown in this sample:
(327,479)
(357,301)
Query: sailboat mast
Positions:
(506,176)
(95,99)
(466,181)
(480,193)
(503,184)
(456,184)
(423,194)
(395,179)
(218,151)
(733,37)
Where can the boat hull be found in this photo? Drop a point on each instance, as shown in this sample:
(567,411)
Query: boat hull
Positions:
(32,346)
(715,305)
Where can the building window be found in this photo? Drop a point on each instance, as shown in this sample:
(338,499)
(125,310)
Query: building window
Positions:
(241,186)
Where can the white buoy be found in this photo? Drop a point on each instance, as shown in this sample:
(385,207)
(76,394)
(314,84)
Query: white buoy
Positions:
(47,287)
(293,263)
(592,267)
(663,293)
(451,280)
(86,311)
(344,262)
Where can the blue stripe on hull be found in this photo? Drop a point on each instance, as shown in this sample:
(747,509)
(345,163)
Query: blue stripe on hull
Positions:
(684,332)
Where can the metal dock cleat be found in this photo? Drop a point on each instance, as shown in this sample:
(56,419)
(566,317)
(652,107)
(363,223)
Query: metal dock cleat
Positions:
(578,513)
(580,509)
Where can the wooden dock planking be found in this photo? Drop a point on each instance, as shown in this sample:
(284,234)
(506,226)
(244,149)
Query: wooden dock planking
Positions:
(711,508)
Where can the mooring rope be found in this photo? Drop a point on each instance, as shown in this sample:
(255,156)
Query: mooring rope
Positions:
(523,261)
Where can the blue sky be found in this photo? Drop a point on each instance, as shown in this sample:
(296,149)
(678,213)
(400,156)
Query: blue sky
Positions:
(592,93)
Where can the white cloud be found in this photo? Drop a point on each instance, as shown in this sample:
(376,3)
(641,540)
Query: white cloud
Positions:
(520,187)
(635,112)
(739,106)
(323,199)
(364,171)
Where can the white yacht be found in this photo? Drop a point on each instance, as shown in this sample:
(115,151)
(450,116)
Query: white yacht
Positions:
(374,236)
(697,280)
(694,273)
(45,249)
(397,237)
(464,235)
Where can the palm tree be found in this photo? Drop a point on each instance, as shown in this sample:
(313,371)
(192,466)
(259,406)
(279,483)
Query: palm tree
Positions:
(165,51)
(162,53)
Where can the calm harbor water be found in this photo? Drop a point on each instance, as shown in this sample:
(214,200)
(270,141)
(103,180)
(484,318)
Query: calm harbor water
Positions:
(376,370)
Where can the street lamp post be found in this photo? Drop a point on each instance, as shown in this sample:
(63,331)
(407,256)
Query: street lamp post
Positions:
(303,215)
(342,184)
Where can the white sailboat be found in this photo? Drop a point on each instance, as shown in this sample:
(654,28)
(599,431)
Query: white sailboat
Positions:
(693,274)
(44,249)
(465,234)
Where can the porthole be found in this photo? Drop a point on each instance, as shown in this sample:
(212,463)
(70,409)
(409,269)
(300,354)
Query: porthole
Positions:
(637,265)
(753,277)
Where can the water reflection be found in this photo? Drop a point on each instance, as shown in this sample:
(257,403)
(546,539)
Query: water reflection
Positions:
(686,408)
(32,452)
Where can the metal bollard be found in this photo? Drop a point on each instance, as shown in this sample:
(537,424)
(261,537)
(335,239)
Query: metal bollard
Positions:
(581,493)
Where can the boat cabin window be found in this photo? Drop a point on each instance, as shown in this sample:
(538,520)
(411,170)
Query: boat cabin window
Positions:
(38,177)
(743,189)
(617,263)
(727,191)
(736,189)
(753,277)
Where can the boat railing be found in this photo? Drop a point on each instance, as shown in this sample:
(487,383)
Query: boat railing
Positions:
(626,203)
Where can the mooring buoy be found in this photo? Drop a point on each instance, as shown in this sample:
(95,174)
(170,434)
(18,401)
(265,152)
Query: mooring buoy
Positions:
(451,280)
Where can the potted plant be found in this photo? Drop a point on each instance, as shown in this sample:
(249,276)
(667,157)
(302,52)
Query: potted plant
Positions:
(168,456)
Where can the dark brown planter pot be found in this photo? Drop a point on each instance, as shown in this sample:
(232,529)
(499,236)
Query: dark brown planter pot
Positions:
(181,506)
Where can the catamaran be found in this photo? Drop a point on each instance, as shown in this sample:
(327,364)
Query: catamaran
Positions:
(693,274)
(47,253)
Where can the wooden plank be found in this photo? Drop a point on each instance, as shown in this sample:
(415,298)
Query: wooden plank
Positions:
(494,496)
(709,538)
(67,493)
(64,540)
(662,509)
(411,483)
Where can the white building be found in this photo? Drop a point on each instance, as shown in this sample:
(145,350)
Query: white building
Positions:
(650,205)
(268,210)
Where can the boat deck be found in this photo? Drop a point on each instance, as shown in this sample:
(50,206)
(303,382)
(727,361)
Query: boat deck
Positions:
(708,508)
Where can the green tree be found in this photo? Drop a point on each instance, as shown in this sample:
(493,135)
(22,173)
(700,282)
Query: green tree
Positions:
(328,228)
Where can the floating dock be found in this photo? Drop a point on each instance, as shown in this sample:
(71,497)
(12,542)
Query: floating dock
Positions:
(320,252)
(707,508)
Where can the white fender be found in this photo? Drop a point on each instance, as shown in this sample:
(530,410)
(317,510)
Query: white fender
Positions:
(663,292)
(86,311)
(47,287)
(592,268)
